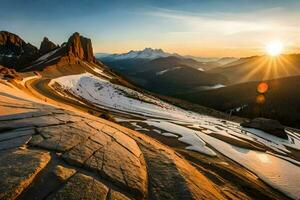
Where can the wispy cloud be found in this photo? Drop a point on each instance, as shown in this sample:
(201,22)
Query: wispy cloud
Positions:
(226,30)
(275,19)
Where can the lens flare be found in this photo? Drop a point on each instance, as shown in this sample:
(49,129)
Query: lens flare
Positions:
(260,99)
(262,87)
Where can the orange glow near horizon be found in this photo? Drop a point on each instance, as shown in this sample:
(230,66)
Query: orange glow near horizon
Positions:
(262,87)
(199,49)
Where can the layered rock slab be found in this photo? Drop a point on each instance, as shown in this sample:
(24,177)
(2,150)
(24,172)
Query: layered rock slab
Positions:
(114,162)
(18,169)
(80,187)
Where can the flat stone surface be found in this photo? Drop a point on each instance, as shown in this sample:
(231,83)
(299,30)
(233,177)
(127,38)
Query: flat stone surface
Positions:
(16,133)
(24,115)
(165,181)
(61,138)
(18,169)
(79,154)
(29,122)
(114,195)
(119,165)
(63,173)
(81,187)
(15,142)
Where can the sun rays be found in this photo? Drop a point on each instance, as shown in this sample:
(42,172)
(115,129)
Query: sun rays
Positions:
(274,48)
(270,67)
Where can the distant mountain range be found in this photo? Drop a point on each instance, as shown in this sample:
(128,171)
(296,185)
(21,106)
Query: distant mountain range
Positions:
(147,53)
(162,72)
(227,84)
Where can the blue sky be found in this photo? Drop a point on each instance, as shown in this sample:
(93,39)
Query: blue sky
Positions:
(196,27)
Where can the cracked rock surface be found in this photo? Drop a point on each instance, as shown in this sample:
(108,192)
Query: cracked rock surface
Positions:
(65,154)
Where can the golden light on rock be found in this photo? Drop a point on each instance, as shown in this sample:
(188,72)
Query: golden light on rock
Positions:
(262,87)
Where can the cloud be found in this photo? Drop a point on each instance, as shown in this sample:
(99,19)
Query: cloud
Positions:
(269,20)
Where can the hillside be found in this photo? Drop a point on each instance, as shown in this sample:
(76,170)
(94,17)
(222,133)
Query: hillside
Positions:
(281,101)
(260,68)
(166,75)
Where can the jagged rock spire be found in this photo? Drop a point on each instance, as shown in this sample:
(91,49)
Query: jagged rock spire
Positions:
(46,46)
(80,47)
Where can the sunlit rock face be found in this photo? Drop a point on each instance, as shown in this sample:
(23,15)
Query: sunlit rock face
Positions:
(80,47)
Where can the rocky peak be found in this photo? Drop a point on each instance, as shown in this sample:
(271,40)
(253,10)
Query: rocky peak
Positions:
(46,46)
(10,44)
(7,37)
(15,52)
(80,47)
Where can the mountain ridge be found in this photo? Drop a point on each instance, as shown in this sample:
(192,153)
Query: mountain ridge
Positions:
(147,53)
(16,53)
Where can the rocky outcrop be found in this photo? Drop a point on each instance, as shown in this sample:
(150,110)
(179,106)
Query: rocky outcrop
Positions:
(47,46)
(15,52)
(7,73)
(80,47)
(270,126)
(88,157)
(10,44)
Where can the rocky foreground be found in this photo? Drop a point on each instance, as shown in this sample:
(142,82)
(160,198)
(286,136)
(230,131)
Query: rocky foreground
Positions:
(47,152)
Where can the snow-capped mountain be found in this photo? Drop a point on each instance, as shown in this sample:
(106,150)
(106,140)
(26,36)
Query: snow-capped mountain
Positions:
(147,53)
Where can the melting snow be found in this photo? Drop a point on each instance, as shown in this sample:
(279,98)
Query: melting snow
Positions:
(167,70)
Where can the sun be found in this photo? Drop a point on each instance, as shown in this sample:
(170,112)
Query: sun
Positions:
(274,48)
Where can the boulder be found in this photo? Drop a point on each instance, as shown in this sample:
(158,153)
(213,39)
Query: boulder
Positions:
(270,126)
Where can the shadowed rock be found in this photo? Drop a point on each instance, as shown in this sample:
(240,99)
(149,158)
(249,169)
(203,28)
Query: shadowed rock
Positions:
(46,46)
(15,52)
(270,126)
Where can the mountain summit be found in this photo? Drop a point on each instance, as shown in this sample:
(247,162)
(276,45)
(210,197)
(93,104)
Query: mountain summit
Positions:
(80,47)
(47,46)
(15,52)
(147,53)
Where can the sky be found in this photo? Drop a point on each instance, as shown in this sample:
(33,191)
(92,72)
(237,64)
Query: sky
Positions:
(207,28)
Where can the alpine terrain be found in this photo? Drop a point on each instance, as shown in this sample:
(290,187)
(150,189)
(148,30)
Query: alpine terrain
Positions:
(73,128)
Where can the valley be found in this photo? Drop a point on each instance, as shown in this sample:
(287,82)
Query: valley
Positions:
(229,86)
